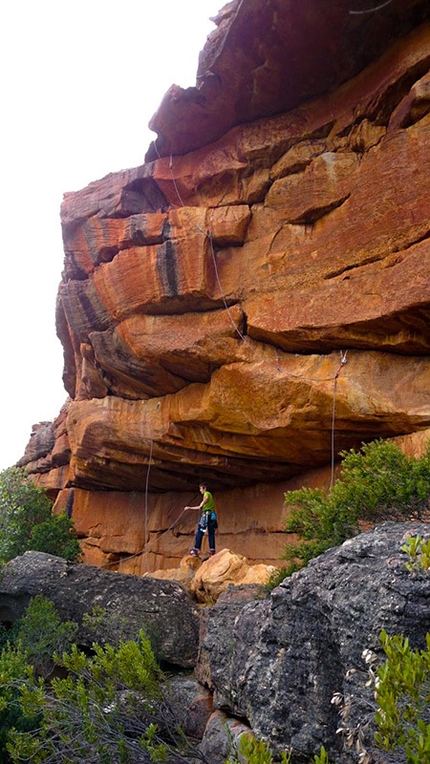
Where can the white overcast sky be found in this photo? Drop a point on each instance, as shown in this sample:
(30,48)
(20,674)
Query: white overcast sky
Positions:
(80,80)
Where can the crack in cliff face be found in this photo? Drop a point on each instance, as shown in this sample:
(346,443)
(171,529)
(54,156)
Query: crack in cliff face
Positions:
(387,102)
(390,258)
(316,213)
(353,266)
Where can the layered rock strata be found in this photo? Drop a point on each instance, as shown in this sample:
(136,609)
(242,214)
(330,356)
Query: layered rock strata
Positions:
(244,310)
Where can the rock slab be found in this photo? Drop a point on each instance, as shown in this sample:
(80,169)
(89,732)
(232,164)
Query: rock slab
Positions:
(276,663)
(161,608)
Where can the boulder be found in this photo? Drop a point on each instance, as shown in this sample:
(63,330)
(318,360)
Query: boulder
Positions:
(277,662)
(185,573)
(161,608)
(207,580)
(223,569)
(189,703)
(222,737)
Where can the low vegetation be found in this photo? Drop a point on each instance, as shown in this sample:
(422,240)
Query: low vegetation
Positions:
(27,521)
(399,704)
(59,703)
(377,483)
(403,697)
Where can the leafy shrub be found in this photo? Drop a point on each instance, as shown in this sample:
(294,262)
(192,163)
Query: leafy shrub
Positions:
(322,757)
(14,669)
(377,483)
(403,697)
(27,522)
(418,552)
(27,651)
(399,703)
(41,634)
(107,707)
(251,750)
(102,711)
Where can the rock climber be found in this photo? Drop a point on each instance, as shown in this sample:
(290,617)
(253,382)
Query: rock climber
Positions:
(207,523)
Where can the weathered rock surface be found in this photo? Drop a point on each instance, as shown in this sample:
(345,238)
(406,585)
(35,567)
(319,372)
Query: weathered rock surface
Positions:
(190,703)
(266,663)
(255,298)
(206,580)
(224,569)
(276,662)
(241,69)
(48,453)
(161,608)
(221,736)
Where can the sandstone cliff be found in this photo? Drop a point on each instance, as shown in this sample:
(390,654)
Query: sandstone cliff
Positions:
(255,297)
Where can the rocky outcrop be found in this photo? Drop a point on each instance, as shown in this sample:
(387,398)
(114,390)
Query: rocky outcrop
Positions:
(268,57)
(277,662)
(254,299)
(161,608)
(270,663)
(207,579)
(48,453)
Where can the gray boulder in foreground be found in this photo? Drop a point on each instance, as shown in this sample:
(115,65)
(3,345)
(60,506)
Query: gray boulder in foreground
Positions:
(161,608)
(276,663)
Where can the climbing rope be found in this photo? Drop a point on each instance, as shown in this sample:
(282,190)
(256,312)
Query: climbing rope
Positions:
(208,234)
(149,541)
(333,417)
(371,10)
(146,501)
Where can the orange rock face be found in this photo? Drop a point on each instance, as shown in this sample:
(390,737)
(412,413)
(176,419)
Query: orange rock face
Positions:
(244,310)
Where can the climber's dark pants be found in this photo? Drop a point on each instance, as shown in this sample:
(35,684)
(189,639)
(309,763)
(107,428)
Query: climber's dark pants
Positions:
(199,537)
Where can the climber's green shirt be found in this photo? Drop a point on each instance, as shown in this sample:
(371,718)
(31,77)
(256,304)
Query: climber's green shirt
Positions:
(209,506)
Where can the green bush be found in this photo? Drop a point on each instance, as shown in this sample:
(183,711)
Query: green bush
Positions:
(99,708)
(111,706)
(101,711)
(403,698)
(377,483)
(27,650)
(14,670)
(418,553)
(251,750)
(399,703)
(42,635)
(27,522)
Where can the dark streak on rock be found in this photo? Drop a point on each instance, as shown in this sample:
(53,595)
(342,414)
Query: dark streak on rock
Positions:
(166,268)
